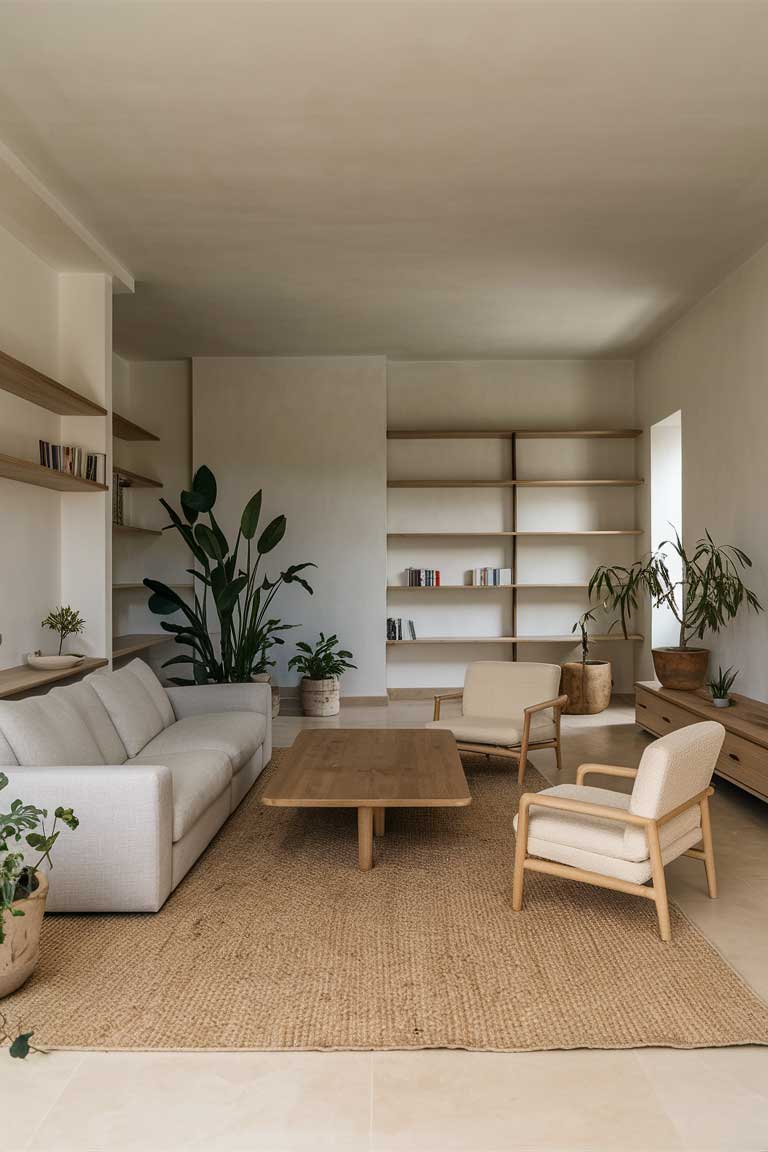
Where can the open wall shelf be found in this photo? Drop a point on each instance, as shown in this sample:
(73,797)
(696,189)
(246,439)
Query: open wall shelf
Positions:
(123,646)
(512,532)
(125,429)
(43,390)
(27,472)
(570,639)
(514,434)
(481,587)
(17,681)
(143,587)
(135,479)
(513,483)
(134,530)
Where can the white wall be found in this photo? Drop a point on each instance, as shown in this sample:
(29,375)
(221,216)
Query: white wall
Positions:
(498,395)
(713,366)
(311,432)
(666,477)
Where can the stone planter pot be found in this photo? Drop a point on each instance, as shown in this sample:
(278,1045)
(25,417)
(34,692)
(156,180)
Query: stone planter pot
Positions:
(320,697)
(684,669)
(20,950)
(587,686)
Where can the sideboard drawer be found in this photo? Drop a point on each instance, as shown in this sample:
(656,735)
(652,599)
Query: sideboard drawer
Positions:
(744,763)
(658,715)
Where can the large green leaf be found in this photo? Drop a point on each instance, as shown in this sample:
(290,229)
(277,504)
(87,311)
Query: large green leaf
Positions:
(204,487)
(209,542)
(249,521)
(163,601)
(227,597)
(190,506)
(272,535)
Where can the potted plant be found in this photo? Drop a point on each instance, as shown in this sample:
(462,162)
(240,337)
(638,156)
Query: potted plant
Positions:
(64,622)
(23,887)
(705,598)
(321,667)
(241,596)
(587,683)
(721,686)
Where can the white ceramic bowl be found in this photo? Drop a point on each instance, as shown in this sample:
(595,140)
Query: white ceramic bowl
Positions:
(54,663)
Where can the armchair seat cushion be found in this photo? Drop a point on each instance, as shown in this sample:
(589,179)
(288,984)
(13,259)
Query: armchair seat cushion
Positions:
(636,872)
(236,734)
(499,730)
(199,778)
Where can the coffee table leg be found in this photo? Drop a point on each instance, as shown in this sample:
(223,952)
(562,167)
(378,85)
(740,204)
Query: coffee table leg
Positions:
(379,819)
(365,838)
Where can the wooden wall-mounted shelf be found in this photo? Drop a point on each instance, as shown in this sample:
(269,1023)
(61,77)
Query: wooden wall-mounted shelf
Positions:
(130,645)
(125,429)
(612,636)
(513,483)
(27,472)
(135,479)
(43,390)
(516,433)
(134,530)
(16,681)
(143,587)
(558,532)
(480,587)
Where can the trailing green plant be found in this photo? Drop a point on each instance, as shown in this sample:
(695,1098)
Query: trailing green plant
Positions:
(720,685)
(705,598)
(66,622)
(25,822)
(240,596)
(322,662)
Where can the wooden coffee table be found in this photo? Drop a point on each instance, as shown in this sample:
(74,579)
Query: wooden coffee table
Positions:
(370,769)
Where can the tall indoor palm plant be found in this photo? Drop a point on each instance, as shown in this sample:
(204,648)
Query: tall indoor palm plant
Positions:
(240,596)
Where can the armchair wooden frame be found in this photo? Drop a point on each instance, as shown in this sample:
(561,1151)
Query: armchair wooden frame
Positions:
(519,754)
(657,889)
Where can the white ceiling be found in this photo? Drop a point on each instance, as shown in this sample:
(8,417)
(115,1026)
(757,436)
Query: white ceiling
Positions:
(432,179)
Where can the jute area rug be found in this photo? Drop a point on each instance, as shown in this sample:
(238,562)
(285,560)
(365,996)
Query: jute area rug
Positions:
(275,940)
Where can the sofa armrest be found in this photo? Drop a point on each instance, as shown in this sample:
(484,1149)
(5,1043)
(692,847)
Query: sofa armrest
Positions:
(193,699)
(120,857)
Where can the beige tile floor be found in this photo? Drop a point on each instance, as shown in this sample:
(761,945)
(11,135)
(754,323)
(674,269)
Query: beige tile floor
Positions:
(475,1102)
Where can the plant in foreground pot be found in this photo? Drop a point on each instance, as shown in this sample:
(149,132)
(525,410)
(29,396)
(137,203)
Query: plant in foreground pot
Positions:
(706,597)
(721,685)
(321,668)
(587,683)
(241,596)
(23,887)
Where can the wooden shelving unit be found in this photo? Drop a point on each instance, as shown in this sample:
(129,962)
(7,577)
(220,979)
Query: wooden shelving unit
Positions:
(26,472)
(125,429)
(134,530)
(143,587)
(515,484)
(135,479)
(43,390)
(131,645)
(17,681)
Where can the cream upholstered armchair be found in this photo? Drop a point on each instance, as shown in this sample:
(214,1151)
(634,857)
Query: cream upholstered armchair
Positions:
(619,840)
(507,709)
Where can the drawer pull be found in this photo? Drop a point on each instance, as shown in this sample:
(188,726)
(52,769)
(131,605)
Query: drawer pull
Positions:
(641,705)
(733,756)
(667,719)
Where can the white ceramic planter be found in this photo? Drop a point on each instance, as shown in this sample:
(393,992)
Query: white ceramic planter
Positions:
(721,701)
(20,950)
(320,697)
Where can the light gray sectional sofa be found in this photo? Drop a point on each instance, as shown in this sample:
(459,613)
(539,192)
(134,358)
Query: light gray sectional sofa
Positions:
(152,773)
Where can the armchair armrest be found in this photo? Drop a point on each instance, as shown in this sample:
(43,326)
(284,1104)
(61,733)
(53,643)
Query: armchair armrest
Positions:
(585,770)
(583,808)
(445,696)
(557,705)
(191,700)
(120,857)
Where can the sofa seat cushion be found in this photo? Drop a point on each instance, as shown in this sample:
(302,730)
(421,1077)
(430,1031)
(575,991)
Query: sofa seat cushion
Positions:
(500,730)
(236,734)
(47,731)
(199,778)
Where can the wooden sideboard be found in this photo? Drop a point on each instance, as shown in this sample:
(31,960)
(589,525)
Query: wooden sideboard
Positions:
(744,758)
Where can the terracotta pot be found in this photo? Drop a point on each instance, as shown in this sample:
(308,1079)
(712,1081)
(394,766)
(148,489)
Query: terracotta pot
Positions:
(20,949)
(320,697)
(587,686)
(684,669)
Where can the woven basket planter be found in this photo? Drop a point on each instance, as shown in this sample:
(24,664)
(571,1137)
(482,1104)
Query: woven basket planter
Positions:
(320,697)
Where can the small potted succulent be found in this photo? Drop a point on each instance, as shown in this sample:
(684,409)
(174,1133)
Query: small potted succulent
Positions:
(23,887)
(64,622)
(321,668)
(587,683)
(721,685)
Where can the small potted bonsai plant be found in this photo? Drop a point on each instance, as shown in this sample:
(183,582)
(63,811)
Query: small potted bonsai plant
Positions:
(709,593)
(721,685)
(587,683)
(23,887)
(321,668)
(64,622)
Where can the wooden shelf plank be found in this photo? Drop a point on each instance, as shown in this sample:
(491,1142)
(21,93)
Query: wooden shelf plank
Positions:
(143,587)
(15,681)
(520,433)
(43,390)
(135,479)
(470,535)
(611,636)
(125,429)
(514,483)
(27,472)
(130,645)
(477,587)
(134,530)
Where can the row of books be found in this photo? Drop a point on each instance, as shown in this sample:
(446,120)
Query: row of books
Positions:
(492,577)
(423,577)
(117,498)
(395,629)
(74,461)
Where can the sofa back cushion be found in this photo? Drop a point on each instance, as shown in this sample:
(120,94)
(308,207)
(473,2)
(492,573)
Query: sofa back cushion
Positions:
(48,731)
(135,710)
(7,757)
(97,720)
(155,689)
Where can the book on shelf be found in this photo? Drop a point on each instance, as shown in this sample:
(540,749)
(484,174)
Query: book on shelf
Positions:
(395,628)
(492,577)
(74,461)
(118,485)
(423,577)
